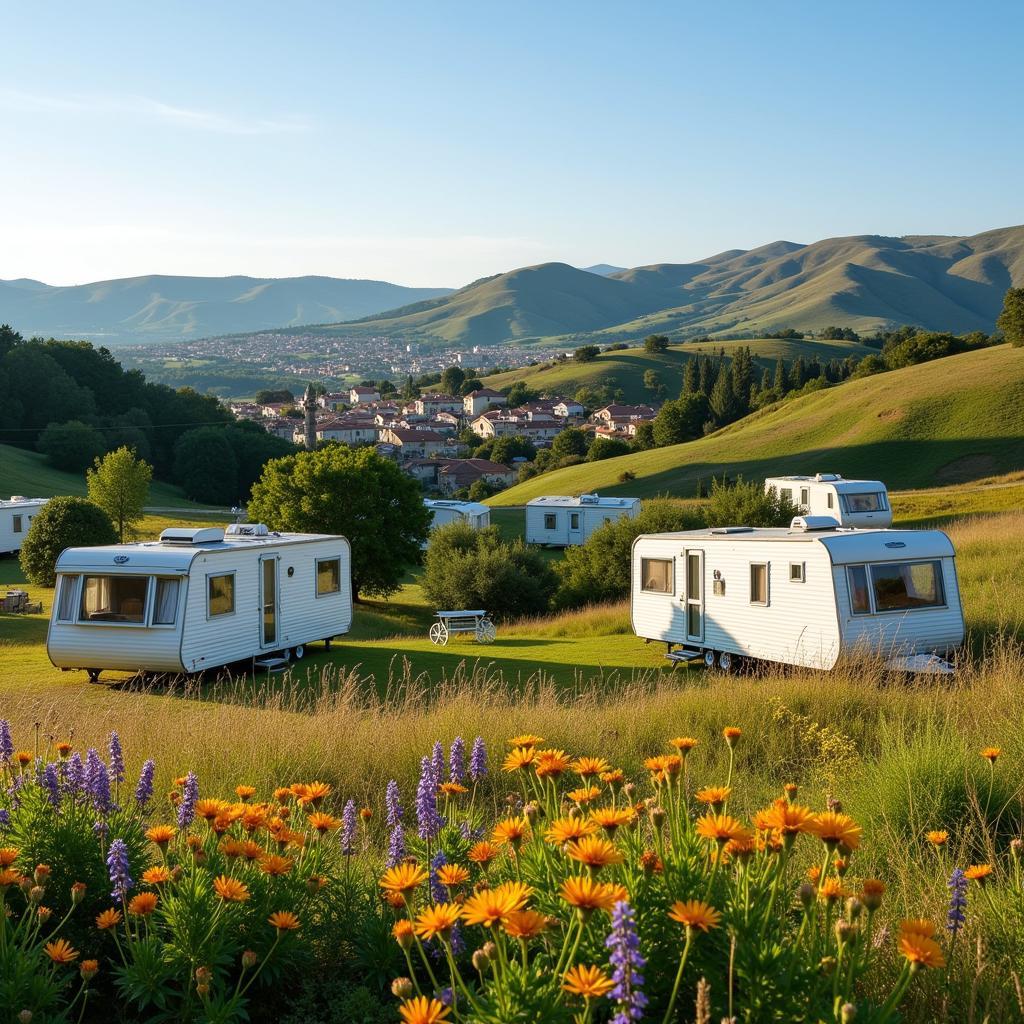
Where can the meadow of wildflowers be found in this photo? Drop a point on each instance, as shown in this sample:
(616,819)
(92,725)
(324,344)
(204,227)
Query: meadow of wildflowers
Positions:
(528,883)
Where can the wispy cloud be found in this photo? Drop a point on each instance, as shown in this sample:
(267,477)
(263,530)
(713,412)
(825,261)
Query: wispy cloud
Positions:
(147,108)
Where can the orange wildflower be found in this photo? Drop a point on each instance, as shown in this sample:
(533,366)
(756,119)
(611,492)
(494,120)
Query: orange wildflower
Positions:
(61,951)
(695,914)
(108,919)
(143,904)
(588,982)
(283,921)
(230,890)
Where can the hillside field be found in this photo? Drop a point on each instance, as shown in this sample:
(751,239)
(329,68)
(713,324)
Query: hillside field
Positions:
(625,368)
(952,420)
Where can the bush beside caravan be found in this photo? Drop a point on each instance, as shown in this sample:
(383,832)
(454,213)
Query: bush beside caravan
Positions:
(199,599)
(798,596)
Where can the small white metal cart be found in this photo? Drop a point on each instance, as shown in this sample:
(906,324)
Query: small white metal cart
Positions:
(464,621)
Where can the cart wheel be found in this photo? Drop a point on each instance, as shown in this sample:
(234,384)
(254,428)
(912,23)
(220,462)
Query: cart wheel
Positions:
(726,662)
(93,674)
(709,659)
(438,634)
(485,632)
(298,652)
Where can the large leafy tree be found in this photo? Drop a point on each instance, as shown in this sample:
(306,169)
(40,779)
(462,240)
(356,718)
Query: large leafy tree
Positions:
(1011,320)
(681,420)
(355,493)
(62,523)
(71,446)
(206,466)
(119,484)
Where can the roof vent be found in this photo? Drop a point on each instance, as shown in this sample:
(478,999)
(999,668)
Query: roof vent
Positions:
(808,523)
(732,529)
(247,530)
(588,499)
(825,477)
(203,535)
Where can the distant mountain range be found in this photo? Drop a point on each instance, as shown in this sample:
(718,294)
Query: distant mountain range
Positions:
(165,308)
(864,281)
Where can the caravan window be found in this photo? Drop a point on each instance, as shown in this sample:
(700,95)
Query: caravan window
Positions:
(574,520)
(759,583)
(66,600)
(16,526)
(857,580)
(656,575)
(165,610)
(220,594)
(113,599)
(805,497)
(864,502)
(549,520)
(903,586)
(328,576)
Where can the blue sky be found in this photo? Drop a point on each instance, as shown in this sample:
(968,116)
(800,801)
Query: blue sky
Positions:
(431,144)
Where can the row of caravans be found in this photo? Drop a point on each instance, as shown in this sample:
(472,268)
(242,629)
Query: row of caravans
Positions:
(16,515)
(803,595)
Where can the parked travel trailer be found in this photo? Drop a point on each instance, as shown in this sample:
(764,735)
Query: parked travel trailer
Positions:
(199,599)
(801,596)
(478,516)
(848,502)
(15,516)
(559,521)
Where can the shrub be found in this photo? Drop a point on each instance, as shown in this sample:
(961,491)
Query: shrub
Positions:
(607,448)
(71,446)
(62,523)
(586,353)
(119,484)
(467,568)
(598,570)
(747,504)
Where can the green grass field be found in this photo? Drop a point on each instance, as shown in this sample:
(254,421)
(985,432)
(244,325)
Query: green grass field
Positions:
(952,420)
(28,473)
(625,368)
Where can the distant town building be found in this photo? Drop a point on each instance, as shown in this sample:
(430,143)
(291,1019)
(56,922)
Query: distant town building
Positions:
(410,443)
(361,395)
(480,401)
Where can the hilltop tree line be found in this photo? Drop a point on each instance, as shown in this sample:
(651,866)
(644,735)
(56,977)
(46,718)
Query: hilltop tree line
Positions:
(75,403)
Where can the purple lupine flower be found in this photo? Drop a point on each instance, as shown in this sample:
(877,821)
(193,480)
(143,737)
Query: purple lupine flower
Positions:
(396,847)
(144,790)
(6,741)
(428,821)
(469,833)
(478,760)
(626,960)
(100,829)
(437,760)
(189,796)
(458,943)
(438,893)
(5,818)
(446,996)
(51,783)
(97,782)
(119,869)
(955,918)
(74,774)
(393,804)
(116,758)
(457,760)
(348,828)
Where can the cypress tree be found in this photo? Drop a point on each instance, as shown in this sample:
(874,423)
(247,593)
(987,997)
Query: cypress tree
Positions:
(723,400)
(691,379)
(781,379)
(704,376)
(798,373)
(742,379)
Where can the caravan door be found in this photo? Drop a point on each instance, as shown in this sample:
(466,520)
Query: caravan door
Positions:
(268,601)
(694,595)
(575,527)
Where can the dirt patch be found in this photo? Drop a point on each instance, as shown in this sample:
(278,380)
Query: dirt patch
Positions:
(892,414)
(967,467)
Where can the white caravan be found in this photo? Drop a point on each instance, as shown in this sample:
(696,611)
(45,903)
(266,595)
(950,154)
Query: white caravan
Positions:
(15,517)
(848,502)
(199,599)
(478,516)
(560,521)
(801,596)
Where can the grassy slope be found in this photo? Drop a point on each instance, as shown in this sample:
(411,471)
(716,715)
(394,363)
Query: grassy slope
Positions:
(28,473)
(951,420)
(625,368)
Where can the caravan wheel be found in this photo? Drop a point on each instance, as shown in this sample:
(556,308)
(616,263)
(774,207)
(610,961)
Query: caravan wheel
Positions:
(298,652)
(709,659)
(726,662)
(93,674)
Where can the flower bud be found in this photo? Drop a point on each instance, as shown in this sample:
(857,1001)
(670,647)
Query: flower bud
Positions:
(249,959)
(366,813)
(314,884)
(480,961)
(853,908)
(203,974)
(401,988)
(844,931)
(848,1013)
(532,812)
(834,805)
(41,873)
(575,812)
(89,969)
(657,816)
(841,866)
(628,790)
(1016,847)
(489,950)
(203,988)
(44,914)
(827,965)
(806,892)
(36,893)
(176,872)
(77,893)
(25,1017)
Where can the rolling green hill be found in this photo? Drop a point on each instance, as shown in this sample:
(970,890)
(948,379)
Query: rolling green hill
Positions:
(625,368)
(863,281)
(28,473)
(951,420)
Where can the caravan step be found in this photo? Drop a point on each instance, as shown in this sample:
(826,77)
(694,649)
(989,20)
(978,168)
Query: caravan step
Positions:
(684,656)
(271,664)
